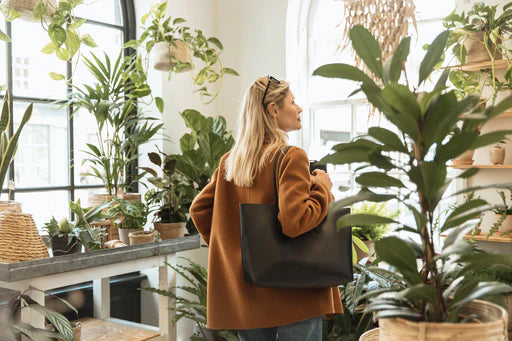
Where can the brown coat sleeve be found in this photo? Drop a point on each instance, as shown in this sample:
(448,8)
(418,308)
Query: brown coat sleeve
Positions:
(302,204)
(201,209)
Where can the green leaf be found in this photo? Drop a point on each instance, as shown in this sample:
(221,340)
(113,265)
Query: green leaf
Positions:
(62,54)
(490,138)
(178,21)
(457,145)
(58,320)
(187,142)
(482,289)
(364,195)
(88,40)
(346,157)
(343,71)
(194,120)
(399,254)
(367,48)
(49,48)
(433,56)
(399,57)
(159,104)
(401,99)
(56,76)
(360,244)
(377,179)
(216,42)
(388,138)
(4,37)
(362,220)
(57,34)
(229,71)
(468,173)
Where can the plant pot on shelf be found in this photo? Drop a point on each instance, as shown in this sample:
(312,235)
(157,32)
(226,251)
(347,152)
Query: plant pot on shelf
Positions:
(170,230)
(164,55)
(26,7)
(142,237)
(497,155)
(465,158)
(124,235)
(491,326)
(371,335)
(476,51)
(60,246)
(506,225)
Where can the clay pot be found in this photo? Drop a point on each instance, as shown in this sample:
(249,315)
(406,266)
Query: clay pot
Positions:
(497,155)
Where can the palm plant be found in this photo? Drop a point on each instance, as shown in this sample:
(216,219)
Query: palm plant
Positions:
(121,126)
(423,122)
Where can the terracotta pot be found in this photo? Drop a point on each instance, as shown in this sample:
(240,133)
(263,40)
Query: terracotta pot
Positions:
(170,230)
(497,155)
(124,235)
(506,225)
(465,158)
(477,52)
(491,326)
(371,335)
(164,55)
(61,247)
(26,7)
(142,237)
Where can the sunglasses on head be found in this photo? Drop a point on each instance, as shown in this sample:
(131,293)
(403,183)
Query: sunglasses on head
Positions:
(270,78)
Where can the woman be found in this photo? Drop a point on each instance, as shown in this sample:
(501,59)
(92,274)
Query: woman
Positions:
(245,175)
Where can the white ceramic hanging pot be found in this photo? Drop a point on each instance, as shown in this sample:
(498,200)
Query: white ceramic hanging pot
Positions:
(165,56)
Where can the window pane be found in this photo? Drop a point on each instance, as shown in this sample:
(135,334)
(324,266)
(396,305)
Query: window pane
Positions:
(104,11)
(44,205)
(109,41)
(42,156)
(83,195)
(85,132)
(3,60)
(30,67)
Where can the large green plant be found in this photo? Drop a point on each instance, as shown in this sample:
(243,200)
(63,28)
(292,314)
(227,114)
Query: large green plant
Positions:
(172,193)
(194,308)
(204,50)
(9,145)
(423,122)
(127,214)
(121,125)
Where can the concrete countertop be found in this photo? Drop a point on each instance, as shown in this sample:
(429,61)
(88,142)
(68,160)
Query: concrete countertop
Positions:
(11,272)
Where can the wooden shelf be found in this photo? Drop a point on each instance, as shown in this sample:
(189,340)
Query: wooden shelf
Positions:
(494,238)
(481,166)
(499,64)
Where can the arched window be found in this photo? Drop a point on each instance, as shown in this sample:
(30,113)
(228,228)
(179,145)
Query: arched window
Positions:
(47,167)
(314,29)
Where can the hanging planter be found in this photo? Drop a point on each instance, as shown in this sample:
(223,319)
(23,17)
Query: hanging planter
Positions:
(476,51)
(165,56)
(26,7)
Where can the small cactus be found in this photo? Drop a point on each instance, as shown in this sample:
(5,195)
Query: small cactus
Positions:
(8,146)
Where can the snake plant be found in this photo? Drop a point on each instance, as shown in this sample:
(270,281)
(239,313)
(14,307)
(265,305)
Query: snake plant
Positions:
(8,146)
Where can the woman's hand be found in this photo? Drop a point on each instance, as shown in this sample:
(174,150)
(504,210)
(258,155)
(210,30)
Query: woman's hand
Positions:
(321,177)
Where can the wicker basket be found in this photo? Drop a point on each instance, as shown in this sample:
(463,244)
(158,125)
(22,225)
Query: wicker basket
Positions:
(142,237)
(491,326)
(9,205)
(371,335)
(19,238)
(110,229)
(170,230)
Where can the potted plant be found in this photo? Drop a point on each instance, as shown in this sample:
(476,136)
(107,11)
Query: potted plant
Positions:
(67,237)
(58,20)
(121,125)
(9,144)
(368,234)
(171,197)
(193,308)
(503,215)
(128,216)
(433,298)
(171,45)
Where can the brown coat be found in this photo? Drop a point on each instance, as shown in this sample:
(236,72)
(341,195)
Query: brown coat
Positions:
(232,303)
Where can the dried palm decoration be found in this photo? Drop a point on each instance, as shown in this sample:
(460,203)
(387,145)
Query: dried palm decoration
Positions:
(387,20)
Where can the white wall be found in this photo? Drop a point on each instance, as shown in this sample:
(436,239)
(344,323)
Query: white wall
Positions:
(253,35)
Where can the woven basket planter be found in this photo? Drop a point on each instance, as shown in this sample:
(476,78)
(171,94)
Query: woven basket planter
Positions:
(142,237)
(371,335)
(124,235)
(161,55)
(491,326)
(9,205)
(170,230)
(477,52)
(19,238)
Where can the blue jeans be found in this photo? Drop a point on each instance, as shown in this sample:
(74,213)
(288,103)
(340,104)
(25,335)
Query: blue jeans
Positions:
(306,330)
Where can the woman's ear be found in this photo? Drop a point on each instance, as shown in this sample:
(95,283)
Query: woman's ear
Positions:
(272,109)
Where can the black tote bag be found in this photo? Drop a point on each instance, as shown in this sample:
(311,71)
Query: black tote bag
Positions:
(317,259)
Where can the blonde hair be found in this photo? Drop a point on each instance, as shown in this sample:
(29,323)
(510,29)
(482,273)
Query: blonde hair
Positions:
(256,128)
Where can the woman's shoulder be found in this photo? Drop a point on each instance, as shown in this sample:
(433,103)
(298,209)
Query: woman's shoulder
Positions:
(294,153)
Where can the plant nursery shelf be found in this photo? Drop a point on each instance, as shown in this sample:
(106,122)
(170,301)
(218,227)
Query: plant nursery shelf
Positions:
(493,238)
(482,166)
(499,64)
